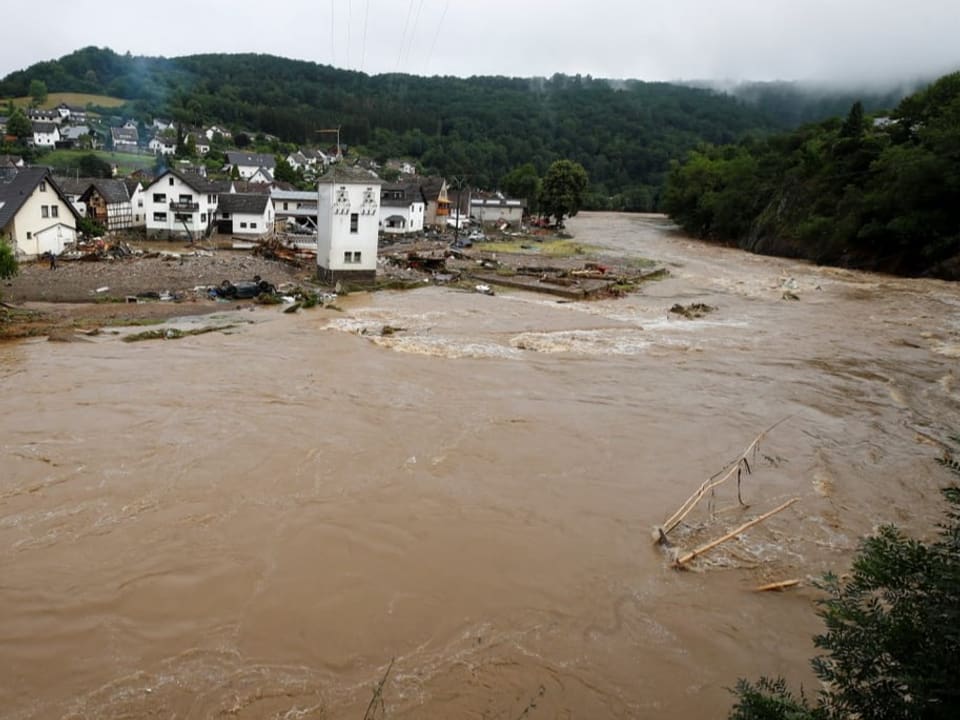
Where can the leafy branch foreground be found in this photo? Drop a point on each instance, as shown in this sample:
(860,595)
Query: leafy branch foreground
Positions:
(893,635)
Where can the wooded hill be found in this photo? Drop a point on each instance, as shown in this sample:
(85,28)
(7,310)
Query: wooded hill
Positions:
(624,133)
(878,195)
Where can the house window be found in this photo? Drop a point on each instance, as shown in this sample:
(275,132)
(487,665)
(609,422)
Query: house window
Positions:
(203,217)
(159,198)
(29,234)
(43,187)
(44,211)
(351,257)
(54,211)
(243,224)
(160,217)
(253,225)
(186,198)
(183,218)
(140,202)
(285,206)
(354,222)
(171,181)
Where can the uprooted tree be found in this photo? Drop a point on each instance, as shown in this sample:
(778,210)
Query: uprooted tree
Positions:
(893,635)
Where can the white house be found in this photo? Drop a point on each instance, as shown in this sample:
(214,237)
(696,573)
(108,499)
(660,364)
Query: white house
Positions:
(45,134)
(179,205)
(402,208)
(497,210)
(262,176)
(35,216)
(125,138)
(348,209)
(137,201)
(245,214)
(249,164)
(162,145)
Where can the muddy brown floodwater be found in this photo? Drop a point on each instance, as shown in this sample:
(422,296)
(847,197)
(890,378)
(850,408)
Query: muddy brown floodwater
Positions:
(253,524)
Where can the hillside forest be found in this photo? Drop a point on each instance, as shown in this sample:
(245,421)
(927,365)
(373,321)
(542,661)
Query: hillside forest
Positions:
(624,133)
(880,194)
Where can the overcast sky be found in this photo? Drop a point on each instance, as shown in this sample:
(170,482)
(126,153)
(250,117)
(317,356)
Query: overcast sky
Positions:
(823,40)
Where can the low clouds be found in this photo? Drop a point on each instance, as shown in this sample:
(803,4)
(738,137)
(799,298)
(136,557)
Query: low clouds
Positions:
(854,41)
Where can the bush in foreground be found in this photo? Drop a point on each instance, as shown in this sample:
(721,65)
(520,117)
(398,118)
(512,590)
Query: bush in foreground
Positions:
(893,635)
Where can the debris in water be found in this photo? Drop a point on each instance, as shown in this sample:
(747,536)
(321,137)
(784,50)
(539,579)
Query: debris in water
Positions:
(693,310)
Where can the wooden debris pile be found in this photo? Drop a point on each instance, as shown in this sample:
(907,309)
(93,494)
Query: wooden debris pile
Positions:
(737,468)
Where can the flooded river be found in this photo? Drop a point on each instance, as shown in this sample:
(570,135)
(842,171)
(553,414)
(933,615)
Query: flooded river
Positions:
(254,524)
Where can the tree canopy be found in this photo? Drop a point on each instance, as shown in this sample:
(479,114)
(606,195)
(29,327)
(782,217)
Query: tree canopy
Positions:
(563,190)
(880,195)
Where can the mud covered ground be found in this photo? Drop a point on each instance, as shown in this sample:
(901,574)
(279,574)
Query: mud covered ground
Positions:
(41,301)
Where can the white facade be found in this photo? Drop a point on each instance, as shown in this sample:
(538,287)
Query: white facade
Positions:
(402,219)
(347,227)
(138,204)
(44,223)
(497,211)
(175,208)
(46,135)
(162,146)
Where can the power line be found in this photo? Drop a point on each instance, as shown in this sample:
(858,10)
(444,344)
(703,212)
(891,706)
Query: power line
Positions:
(413,31)
(363,50)
(426,65)
(403,36)
(349,18)
(333,57)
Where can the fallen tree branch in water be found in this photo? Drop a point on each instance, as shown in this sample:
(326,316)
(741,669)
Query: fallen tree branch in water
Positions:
(737,467)
(781,585)
(377,700)
(684,559)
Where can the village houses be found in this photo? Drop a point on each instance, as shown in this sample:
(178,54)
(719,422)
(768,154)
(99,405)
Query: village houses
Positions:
(35,216)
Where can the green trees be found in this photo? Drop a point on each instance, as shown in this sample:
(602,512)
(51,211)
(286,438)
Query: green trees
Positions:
(523,182)
(38,91)
(8,260)
(563,190)
(19,125)
(875,195)
(92,166)
(892,638)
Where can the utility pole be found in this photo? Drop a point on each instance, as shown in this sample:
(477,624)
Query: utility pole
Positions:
(458,182)
(337,131)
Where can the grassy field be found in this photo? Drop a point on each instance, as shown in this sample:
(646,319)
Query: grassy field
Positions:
(127,162)
(76,99)
(549,247)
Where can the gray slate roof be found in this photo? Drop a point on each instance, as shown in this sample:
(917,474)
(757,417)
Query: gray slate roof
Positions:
(408,192)
(129,135)
(16,188)
(243,203)
(113,191)
(338,174)
(251,159)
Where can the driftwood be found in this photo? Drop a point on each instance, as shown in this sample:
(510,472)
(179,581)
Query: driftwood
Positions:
(781,585)
(736,467)
(684,559)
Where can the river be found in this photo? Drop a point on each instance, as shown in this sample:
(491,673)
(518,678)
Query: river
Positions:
(255,523)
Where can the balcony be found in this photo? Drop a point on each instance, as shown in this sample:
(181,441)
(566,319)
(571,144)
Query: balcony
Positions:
(181,206)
